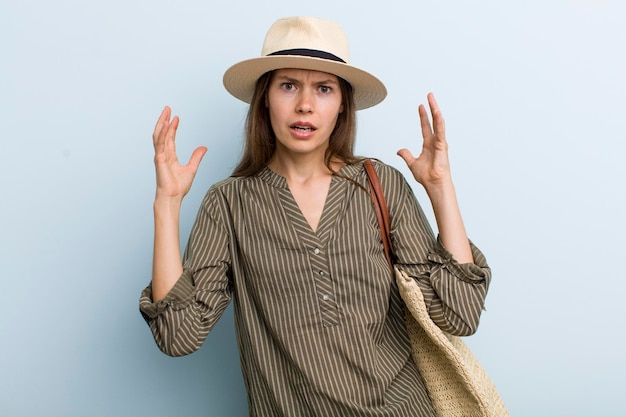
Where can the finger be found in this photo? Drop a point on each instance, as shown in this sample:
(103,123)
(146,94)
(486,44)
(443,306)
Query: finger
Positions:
(196,157)
(424,121)
(170,134)
(439,126)
(406,155)
(432,103)
(163,120)
(427,130)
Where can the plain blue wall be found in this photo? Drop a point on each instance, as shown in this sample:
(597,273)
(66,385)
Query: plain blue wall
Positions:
(533,94)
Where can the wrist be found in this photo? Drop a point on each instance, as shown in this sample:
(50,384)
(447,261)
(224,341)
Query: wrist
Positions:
(166,205)
(440,189)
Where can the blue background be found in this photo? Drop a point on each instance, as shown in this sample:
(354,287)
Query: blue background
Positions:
(533,95)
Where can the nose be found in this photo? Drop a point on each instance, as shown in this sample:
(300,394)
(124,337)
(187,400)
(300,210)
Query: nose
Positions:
(305,102)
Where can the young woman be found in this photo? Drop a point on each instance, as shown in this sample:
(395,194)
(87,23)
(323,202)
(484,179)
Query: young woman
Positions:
(293,239)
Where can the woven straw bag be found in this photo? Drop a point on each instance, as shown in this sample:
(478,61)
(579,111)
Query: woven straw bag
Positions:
(457,384)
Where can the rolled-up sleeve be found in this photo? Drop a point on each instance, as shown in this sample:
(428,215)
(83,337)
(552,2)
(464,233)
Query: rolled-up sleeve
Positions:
(181,321)
(454,293)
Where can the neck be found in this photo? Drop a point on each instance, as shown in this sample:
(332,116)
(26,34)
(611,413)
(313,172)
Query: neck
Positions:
(298,168)
(301,168)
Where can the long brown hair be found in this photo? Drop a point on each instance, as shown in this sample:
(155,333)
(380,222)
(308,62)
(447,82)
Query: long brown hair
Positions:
(261,142)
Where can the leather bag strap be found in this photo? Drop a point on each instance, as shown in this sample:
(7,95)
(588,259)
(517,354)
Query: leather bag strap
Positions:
(380,207)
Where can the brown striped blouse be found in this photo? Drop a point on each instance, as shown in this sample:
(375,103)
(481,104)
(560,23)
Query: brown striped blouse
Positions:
(318,316)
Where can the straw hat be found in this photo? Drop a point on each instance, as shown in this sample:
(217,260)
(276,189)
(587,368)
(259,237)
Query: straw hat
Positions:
(305,43)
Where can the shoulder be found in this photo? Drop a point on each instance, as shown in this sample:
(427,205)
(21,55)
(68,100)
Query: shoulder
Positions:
(390,177)
(233,184)
(237,190)
(397,190)
(385,170)
(224,198)
(227,184)
(222,191)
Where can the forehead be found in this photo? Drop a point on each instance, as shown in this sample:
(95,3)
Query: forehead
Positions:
(304,75)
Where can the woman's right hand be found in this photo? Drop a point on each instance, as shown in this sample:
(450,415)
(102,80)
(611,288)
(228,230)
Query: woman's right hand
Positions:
(173,179)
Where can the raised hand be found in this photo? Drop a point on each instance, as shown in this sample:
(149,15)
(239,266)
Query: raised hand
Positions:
(431,168)
(173,179)
(173,183)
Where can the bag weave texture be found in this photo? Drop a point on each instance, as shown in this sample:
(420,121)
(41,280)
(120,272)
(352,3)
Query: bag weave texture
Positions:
(457,383)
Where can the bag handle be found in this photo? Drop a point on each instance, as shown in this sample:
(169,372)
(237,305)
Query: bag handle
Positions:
(380,207)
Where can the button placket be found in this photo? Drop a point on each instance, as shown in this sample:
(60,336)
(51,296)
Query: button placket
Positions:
(324,287)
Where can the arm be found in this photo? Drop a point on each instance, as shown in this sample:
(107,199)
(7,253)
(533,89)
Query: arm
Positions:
(182,304)
(432,169)
(183,318)
(456,280)
(173,183)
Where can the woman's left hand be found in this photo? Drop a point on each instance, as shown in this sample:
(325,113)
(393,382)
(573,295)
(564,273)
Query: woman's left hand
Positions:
(432,170)
(432,167)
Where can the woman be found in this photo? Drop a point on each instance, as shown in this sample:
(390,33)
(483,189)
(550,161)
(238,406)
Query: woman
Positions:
(292,237)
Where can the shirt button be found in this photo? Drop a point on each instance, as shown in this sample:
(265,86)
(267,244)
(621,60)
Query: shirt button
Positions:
(316,251)
(321,272)
(325,297)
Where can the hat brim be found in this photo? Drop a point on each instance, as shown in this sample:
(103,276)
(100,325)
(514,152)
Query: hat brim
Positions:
(240,79)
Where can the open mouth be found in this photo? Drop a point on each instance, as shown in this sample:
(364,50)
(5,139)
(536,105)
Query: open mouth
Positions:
(301,128)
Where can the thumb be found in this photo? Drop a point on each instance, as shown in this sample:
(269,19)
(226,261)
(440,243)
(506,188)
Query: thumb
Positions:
(196,157)
(406,155)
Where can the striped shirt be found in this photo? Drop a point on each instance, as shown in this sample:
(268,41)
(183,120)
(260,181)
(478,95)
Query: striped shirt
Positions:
(319,319)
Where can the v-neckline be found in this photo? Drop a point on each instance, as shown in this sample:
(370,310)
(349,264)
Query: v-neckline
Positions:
(297,217)
(335,199)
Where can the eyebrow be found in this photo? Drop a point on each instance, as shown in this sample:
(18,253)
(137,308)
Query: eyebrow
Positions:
(295,80)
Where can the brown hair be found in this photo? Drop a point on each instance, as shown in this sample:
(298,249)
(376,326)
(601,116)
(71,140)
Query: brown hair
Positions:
(261,142)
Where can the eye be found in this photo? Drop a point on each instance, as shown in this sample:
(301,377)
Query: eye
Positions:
(324,89)
(288,86)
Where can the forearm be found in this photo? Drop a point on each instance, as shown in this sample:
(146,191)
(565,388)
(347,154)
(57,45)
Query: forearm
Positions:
(167,264)
(449,221)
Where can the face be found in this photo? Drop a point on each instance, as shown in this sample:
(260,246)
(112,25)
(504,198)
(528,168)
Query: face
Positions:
(303,107)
